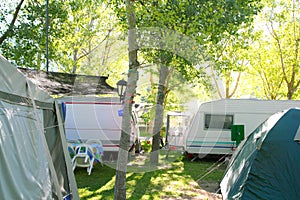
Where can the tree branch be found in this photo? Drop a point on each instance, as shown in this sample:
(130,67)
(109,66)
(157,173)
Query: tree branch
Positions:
(215,81)
(12,23)
(236,85)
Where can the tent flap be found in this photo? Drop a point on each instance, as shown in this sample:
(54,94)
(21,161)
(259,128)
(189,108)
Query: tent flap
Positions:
(297,136)
(23,163)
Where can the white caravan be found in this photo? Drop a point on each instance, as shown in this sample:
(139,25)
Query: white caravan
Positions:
(209,131)
(96,118)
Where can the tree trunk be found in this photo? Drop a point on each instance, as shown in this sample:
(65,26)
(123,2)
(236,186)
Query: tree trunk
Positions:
(120,183)
(74,69)
(159,111)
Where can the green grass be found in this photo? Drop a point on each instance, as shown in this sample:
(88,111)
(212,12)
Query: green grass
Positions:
(173,179)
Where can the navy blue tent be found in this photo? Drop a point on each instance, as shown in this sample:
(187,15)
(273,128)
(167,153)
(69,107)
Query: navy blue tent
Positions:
(267,164)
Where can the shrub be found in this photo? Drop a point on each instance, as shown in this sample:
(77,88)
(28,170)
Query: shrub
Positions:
(146,145)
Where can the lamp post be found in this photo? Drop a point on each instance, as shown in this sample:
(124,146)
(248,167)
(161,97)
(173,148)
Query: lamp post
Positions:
(121,86)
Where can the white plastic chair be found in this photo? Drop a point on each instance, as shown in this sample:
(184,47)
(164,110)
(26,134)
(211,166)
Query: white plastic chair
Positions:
(97,149)
(84,157)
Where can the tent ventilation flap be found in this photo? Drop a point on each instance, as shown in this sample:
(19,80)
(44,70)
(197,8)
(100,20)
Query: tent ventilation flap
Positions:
(297,136)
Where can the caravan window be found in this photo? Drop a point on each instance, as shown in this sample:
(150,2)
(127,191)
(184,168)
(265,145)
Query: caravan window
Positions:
(213,121)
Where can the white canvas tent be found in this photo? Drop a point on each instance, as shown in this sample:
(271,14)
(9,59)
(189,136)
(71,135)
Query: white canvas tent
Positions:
(35,163)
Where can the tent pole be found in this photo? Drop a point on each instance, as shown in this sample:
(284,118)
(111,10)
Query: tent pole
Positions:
(47,36)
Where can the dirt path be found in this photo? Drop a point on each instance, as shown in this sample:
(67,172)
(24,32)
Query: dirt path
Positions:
(205,192)
(210,190)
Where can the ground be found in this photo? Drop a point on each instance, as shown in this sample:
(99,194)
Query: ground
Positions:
(179,179)
(206,192)
(210,189)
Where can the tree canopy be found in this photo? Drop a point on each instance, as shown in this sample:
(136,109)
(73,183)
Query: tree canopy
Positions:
(85,37)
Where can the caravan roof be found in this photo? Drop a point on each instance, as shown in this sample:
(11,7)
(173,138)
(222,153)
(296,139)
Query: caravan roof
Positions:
(246,105)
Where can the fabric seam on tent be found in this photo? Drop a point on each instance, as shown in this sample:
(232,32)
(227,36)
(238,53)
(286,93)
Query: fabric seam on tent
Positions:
(15,99)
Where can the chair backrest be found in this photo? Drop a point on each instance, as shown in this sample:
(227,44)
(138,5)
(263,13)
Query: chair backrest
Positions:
(97,148)
(84,155)
(93,141)
(96,145)
(74,141)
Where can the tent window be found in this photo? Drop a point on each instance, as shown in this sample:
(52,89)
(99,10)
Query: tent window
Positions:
(222,122)
(297,136)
